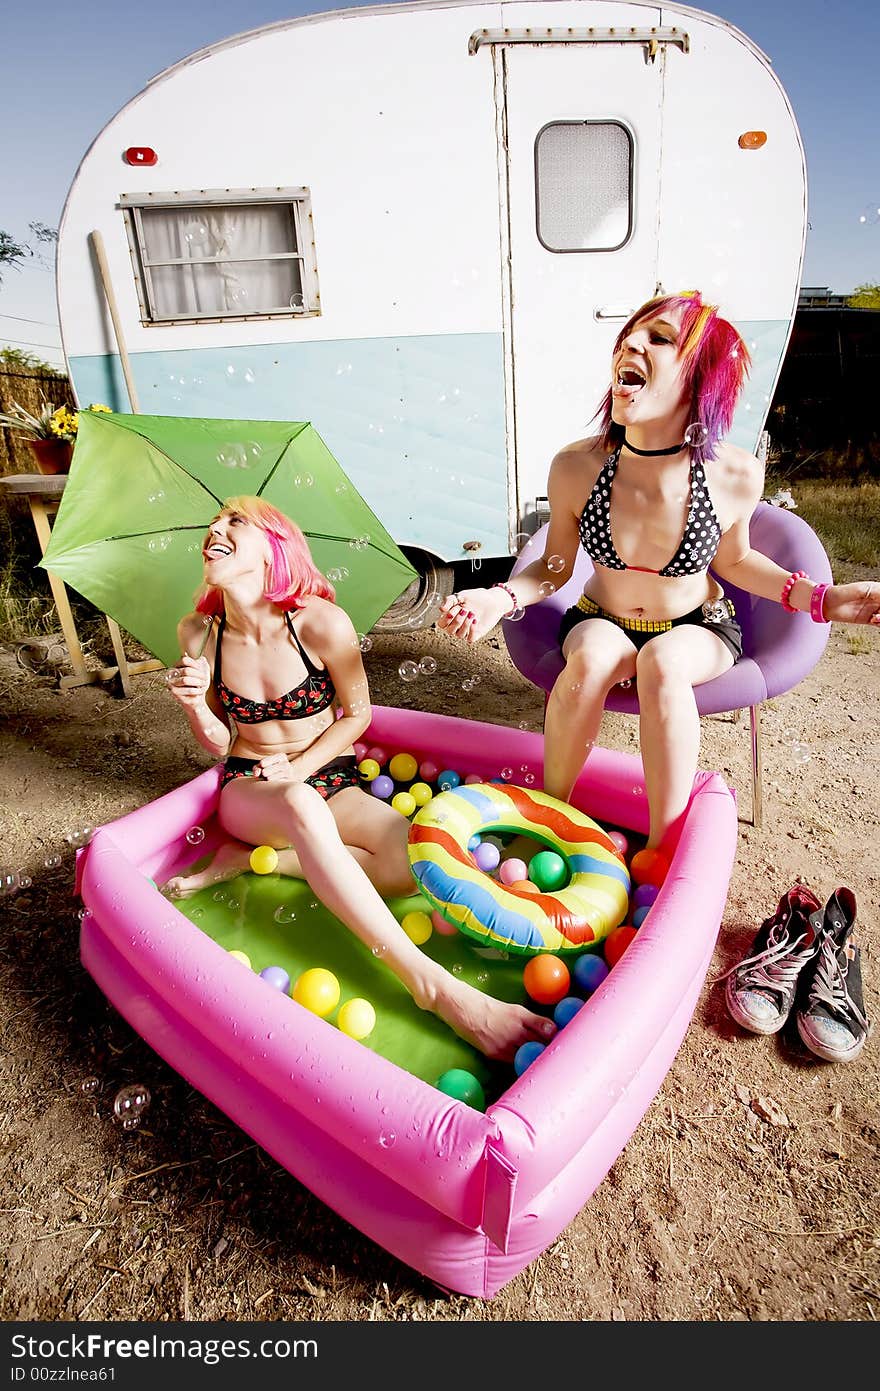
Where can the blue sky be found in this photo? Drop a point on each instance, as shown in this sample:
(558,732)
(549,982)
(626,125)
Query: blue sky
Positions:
(68,69)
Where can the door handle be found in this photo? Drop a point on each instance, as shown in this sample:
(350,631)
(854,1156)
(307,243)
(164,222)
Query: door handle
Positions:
(612,311)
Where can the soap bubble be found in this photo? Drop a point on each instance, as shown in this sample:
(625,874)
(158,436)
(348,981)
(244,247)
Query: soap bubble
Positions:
(89,1085)
(365,643)
(427,665)
(546,588)
(695,435)
(408,671)
(131,1102)
(555,564)
(506,774)
(171,675)
(249,376)
(52,861)
(195,835)
(8,881)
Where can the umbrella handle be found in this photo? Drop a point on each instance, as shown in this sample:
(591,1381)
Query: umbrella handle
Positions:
(101,256)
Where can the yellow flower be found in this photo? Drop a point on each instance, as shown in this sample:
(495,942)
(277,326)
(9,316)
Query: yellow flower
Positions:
(96,406)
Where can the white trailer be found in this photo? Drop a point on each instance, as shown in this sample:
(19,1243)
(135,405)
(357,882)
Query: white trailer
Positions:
(421,227)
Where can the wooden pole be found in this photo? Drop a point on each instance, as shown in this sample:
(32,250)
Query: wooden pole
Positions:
(101,256)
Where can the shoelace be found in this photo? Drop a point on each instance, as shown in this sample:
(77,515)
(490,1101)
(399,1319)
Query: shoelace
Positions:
(829,985)
(774,968)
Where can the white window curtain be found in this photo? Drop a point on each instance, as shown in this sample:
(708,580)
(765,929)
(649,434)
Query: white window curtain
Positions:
(181,244)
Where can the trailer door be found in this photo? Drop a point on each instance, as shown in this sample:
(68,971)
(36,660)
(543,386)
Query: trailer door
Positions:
(583,125)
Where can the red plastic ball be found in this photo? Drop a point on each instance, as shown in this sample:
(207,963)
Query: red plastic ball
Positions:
(546,979)
(649,867)
(617,942)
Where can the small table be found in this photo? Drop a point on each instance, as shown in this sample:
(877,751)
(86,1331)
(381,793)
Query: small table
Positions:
(43,493)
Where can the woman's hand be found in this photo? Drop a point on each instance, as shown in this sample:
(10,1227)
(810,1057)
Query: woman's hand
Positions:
(852,603)
(189,681)
(277,767)
(472,613)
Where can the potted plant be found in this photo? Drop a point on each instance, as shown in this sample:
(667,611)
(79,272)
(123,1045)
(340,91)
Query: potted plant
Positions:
(51,433)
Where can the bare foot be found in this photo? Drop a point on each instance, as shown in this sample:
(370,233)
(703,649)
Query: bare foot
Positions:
(232,858)
(493,1026)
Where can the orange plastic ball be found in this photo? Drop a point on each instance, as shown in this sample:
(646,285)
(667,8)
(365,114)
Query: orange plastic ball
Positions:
(649,867)
(617,942)
(546,979)
(526,885)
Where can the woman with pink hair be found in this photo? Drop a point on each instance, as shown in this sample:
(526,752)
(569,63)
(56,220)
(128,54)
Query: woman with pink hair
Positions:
(655,499)
(266,621)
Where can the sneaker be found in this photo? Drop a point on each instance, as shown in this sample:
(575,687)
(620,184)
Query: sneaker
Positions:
(760,990)
(830,1011)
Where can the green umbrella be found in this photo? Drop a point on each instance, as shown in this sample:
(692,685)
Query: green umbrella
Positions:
(143,488)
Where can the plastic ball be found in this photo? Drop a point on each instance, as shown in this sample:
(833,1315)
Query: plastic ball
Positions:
(360,750)
(317,990)
(620,841)
(428,771)
(566,1010)
(546,979)
(377,754)
(513,870)
(549,871)
(243,957)
(420,793)
(649,867)
(403,767)
(588,972)
(442,926)
(472,778)
(473,843)
(404,802)
(525,886)
(357,1018)
(369,769)
(448,779)
(277,977)
(382,786)
(263,859)
(639,915)
(487,856)
(645,895)
(525,1055)
(617,942)
(417,927)
(463,1086)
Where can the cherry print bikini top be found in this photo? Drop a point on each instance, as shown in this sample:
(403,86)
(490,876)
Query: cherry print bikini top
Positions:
(313,696)
(696,548)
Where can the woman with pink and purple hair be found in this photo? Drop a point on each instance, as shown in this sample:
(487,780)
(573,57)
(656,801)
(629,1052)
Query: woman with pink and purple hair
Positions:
(266,621)
(655,498)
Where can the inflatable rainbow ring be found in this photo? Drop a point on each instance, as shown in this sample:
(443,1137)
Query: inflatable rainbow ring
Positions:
(593,902)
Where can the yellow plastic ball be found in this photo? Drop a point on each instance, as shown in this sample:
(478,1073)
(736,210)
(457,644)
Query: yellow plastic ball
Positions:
(264,859)
(417,926)
(243,957)
(403,767)
(368,769)
(317,990)
(421,793)
(404,802)
(357,1018)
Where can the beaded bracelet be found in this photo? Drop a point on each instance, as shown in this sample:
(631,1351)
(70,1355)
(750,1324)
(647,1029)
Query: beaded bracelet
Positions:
(517,609)
(788,587)
(817,601)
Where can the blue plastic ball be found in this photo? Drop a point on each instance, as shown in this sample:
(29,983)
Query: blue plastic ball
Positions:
(277,976)
(566,1010)
(640,914)
(525,1055)
(588,972)
(448,779)
(473,843)
(382,786)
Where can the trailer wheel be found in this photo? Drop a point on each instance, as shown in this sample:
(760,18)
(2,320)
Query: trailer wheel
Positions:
(419,603)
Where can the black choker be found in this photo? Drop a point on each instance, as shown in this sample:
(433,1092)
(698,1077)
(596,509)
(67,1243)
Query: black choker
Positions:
(653,453)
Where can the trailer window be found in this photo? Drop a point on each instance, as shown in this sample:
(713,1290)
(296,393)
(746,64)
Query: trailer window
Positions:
(583,185)
(222,255)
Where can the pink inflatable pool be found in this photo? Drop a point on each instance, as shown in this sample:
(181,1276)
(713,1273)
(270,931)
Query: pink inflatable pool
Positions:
(467,1198)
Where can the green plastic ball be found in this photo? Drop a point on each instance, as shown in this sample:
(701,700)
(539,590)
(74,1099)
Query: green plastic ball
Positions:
(548,870)
(463,1086)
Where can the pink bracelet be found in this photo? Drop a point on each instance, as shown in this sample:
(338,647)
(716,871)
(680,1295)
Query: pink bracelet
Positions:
(817,601)
(516,604)
(788,587)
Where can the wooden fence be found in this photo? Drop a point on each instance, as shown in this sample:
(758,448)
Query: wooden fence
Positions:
(28,388)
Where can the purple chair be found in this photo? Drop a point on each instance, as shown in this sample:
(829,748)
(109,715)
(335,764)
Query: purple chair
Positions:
(779,648)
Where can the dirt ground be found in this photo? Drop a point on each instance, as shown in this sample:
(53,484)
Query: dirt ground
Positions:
(748,1192)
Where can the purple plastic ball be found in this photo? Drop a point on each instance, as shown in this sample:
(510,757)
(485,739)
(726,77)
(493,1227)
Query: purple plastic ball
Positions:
(382,786)
(487,856)
(277,976)
(644,895)
(588,972)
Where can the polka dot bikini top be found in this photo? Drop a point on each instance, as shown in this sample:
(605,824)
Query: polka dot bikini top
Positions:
(696,548)
(314,695)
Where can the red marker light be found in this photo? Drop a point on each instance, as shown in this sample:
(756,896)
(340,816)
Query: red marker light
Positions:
(140,154)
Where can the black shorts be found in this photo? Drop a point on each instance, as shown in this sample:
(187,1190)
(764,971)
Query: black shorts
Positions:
(719,617)
(332,778)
